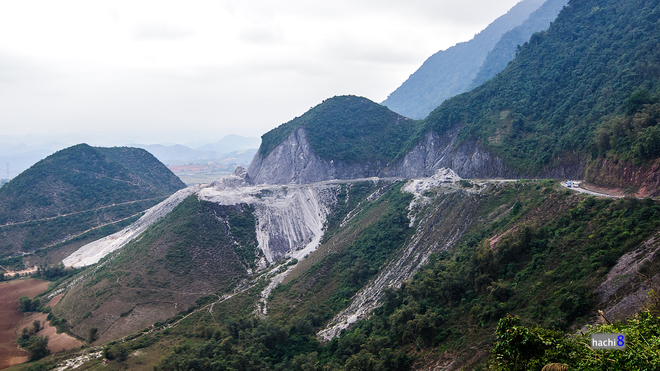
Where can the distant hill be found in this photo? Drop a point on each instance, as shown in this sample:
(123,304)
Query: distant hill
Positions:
(231,143)
(580,96)
(451,71)
(505,49)
(76,189)
(178,154)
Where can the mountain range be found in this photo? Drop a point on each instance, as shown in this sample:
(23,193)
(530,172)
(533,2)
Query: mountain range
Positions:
(360,239)
(467,65)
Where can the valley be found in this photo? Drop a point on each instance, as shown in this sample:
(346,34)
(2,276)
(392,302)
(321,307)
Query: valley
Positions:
(361,239)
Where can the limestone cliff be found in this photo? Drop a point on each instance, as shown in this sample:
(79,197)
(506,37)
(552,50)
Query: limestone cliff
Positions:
(294,161)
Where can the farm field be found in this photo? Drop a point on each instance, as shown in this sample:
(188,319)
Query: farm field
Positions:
(10,317)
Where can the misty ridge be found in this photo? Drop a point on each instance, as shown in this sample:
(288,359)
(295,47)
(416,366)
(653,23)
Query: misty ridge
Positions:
(497,211)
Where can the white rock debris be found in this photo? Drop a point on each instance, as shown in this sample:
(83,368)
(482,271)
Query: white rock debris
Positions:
(93,252)
(419,186)
(412,257)
(73,363)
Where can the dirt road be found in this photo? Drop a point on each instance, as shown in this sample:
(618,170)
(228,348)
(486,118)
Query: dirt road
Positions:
(576,185)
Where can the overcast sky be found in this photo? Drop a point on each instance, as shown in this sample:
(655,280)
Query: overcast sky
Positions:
(176,71)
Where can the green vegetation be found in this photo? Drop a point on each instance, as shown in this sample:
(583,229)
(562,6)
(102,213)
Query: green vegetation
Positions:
(349,129)
(546,108)
(77,189)
(54,233)
(540,259)
(507,47)
(29,305)
(522,348)
(199,245)
(35,345)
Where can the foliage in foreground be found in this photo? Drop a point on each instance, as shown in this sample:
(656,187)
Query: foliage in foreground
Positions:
(522,348)
(455,302)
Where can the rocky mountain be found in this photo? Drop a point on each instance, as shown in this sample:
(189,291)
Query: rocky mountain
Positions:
(325,255)
(525,122)
(450,72)
(76,190)
(344,137)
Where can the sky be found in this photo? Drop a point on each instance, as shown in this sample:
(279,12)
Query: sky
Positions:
(115,72)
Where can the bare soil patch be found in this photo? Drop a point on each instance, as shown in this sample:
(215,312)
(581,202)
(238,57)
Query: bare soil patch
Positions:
(617,192)
(56,342)
(10,317)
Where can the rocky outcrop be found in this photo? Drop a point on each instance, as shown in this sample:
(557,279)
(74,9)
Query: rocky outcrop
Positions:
(643,180)
(434,151)
(93,252)
(289,220)
(294,161)
(433,234)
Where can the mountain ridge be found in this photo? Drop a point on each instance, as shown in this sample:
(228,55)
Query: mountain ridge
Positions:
(449,72)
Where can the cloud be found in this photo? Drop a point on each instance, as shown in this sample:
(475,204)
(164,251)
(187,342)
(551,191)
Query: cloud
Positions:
(260,35)
(161,31)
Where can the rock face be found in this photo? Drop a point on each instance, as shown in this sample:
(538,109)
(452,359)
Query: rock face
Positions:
(289,220)
(93,252)
(294,161)
(433,234)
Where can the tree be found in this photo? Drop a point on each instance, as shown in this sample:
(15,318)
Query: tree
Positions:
(38,347)
(92,334)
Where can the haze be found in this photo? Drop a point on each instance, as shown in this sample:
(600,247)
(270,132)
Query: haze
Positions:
(111,72)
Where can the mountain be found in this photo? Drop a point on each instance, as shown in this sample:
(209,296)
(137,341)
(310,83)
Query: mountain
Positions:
(178,154)
(330,267)
(451,71)
(344,137)
(339,274)
(534,119)
(576,101)
(77,189)
(505,49)
(231,143)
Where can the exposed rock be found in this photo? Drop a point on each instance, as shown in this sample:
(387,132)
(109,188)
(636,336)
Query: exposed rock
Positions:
(625,290)
(239,178)
(93,252)
(433,234)
(290,219)
(294,161)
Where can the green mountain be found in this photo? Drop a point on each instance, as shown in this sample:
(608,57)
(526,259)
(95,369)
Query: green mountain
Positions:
(556,105)
(416,274)
(505,49)
(78,189)
(347,128)
(450,72)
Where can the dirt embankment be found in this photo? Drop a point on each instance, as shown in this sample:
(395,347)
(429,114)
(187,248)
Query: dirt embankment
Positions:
(639,180)
(10,317)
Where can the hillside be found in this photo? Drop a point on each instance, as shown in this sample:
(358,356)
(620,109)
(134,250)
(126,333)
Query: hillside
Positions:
(344,137)
(77,189)
(505,49)
(198,249)
(450,72)
(543,114)
(348,129)
(438,276)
